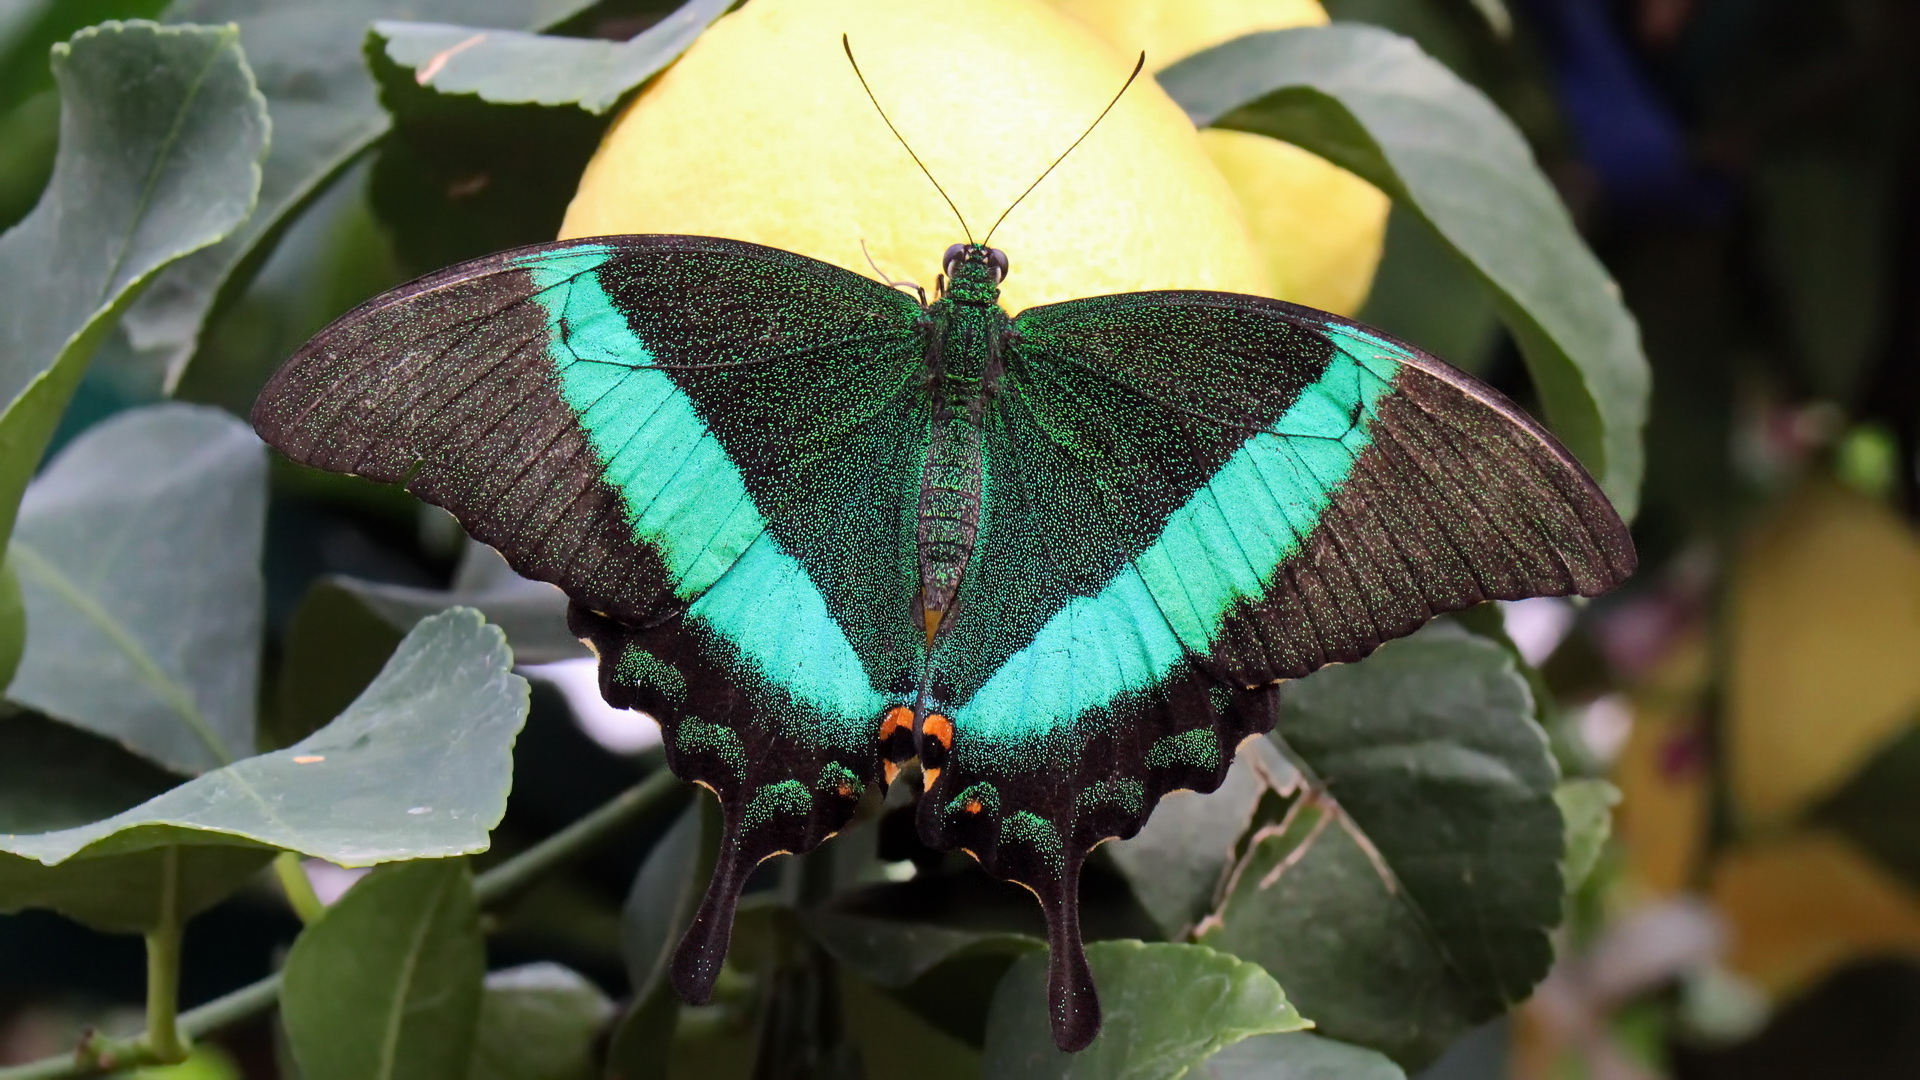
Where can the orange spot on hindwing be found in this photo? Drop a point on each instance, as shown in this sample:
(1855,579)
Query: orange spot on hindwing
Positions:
(939,729)
(897,718)
(936,738)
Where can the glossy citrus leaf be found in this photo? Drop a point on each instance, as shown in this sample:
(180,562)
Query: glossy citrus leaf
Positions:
(150,169)
(1407,893)
(1372,102)
(1166,1008)
(388,985)
(138,552)
(507,67)
(418,767)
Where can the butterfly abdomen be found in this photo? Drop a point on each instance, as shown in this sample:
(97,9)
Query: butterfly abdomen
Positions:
(963,359)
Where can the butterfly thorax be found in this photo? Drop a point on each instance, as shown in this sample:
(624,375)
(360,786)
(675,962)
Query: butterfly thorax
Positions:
(966,330)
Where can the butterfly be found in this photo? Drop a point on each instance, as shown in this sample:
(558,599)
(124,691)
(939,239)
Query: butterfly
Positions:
(821,528)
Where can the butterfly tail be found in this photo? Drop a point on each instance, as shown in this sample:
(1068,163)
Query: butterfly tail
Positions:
(703,948)
(1073,1005)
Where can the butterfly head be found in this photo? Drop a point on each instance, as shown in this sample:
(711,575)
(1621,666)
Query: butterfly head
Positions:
(974,273)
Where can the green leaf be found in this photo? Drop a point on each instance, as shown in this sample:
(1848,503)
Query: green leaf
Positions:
(1372,102)
(517,68)
(1407,893)
(325,114)
(533,613)
(641,1045)
(30,28)
(419,767)
(53,776)
(1296,1056)
(331,651)
(459,177)
(29,106)
(1499,19)
(1178,861)
(388,985)
(1425,294)
(1587,808)
(31,134)
(123,895)
(138,554)
(895,1043)
(893,952)
(538,1022)
(160,141)
(657,910)
(1827,226)
(1166,1008)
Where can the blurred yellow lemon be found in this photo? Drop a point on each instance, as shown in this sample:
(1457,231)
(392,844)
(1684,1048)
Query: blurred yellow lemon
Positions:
(1825,649)
(761,132)
(1662,773)
(1318,226)
(1806,902)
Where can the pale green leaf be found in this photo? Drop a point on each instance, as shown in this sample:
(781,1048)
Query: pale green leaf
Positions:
(1372,102)
(326,112)
(505,67)
(1408,891)
(1587,806)
(538,1022)
(138,554)
(161,135)
(418,767)
(388,985)
(1165,1008)
(1297,1056)
(1178,861)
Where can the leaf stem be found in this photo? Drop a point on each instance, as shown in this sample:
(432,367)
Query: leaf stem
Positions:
(513,877)
(163,967)
(294,882)
(503,883)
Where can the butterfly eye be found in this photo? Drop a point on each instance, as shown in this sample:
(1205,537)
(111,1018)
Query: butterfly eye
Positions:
(952,256)
(998,260)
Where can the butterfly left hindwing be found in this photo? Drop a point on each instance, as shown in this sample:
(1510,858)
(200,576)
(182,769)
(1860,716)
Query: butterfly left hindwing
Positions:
(712,446)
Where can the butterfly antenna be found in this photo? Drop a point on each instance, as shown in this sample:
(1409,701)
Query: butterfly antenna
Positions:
(1138,64)
(848,45)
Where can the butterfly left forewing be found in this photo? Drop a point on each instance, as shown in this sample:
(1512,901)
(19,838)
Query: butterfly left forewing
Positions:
(709,446)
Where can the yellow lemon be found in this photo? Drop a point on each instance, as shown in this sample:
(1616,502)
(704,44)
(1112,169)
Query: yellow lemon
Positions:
(1805,902)
(1319,227)
(761,132)
(1824,655)
(1172,30)
(1662,772)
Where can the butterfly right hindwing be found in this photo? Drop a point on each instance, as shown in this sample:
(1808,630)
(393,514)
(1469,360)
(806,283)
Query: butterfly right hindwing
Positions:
(1193,496)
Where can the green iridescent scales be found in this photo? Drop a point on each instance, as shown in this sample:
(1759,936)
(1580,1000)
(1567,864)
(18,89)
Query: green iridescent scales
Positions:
(757,476)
